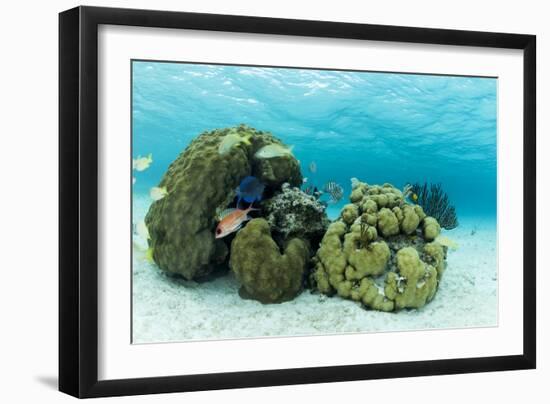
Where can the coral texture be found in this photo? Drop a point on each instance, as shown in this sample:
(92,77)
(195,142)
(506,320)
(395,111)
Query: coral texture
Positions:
(414,283)
(265,273)
(381,251)
(200,183)
(293,213)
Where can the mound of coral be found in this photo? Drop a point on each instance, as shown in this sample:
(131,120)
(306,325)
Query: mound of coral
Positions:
(266,274)
(200,183)
(293,213)
(381,251)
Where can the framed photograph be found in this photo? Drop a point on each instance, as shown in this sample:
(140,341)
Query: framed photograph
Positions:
(251,201)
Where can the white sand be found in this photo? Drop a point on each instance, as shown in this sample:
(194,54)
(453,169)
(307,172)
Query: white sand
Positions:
(167,309)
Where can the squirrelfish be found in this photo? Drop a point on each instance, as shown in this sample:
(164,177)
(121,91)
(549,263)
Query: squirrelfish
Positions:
(157,193)
(273,150)
(142,163)
(232,220)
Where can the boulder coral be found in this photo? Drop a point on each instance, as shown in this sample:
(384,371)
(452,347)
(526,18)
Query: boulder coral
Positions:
(199,184)
(381,251)
(266,274)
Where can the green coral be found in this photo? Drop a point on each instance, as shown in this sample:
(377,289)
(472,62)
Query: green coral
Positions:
(414,283)
(410,220)
(369,261)
(371,295)
(356,195)
(275,171)
(387,222)
(435,254)
(349,213)
(200,183)
(367,233)
(265,274)
(380,252)
(341,267)
(430,228)
(330,260)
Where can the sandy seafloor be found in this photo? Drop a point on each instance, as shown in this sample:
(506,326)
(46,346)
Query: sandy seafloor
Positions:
(169,309)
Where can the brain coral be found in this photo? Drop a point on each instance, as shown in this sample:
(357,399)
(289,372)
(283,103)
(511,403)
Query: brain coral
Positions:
(381,251)
(200,183)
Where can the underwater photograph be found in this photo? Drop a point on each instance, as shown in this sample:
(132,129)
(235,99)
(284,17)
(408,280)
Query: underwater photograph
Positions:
(283,201)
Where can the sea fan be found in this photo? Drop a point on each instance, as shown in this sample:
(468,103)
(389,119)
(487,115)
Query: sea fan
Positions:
(435,203)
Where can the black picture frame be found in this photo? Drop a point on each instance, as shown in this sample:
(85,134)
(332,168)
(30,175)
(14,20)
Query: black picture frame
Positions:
(78,200)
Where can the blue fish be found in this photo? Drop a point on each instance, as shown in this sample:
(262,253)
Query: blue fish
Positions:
(249,190)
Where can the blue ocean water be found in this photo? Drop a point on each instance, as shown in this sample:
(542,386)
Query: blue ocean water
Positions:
(377,127)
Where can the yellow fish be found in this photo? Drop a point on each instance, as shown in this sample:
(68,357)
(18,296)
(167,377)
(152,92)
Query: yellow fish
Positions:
(231,140)
(149,255)
(273,150)
(157,193)
(447,242)
(142,230)
(142,163)
(144,253)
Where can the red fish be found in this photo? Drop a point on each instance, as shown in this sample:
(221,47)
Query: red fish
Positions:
(232,220)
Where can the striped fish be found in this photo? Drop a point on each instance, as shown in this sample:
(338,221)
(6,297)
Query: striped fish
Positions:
(335,191)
